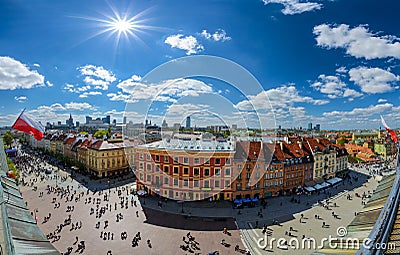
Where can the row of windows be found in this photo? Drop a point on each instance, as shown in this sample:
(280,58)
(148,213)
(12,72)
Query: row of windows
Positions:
(195,171)
(266,177)
(257,185)
(185,183)
(185,160)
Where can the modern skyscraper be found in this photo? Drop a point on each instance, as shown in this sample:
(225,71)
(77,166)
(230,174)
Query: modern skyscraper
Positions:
(88,119)
(188,122)
(309,126)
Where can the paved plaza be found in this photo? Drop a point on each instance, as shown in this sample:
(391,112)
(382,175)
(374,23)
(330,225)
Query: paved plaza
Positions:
(109,220)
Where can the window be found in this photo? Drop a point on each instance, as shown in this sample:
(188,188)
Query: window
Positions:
(148,167)
(239,167)
(228,161)
(257,175)
(166,169)
(257,185)
(166,180)
(176,159)
(266,177)
(217,161)
(157,168)
(175,182)
(216,184)
(239,177)
(217,171)
(257,165)
(196,161)
(248,185)
(206,183)
(140,165)
(141,155)
(227,184)
(166,159)
(185,183)
(186,170)
(248,167)
(149,178)
(238,186)
(148,157)
(206,171)
(196,183)
(157,158)
(227,171)
(186,160)
(248,176)
(176,169)
(196,171)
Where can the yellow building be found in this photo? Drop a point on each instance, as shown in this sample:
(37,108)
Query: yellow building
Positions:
(110,157)
(324,159)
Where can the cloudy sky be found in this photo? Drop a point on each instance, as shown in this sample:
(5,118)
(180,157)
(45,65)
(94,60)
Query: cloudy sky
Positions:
(332,62)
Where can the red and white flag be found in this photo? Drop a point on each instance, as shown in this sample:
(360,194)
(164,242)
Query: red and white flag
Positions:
(391,132)
(29,126)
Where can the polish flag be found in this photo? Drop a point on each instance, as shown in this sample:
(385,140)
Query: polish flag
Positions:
(391,132)
(29,126)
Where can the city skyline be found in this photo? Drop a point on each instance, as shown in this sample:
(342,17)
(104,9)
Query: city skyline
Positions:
(333,63)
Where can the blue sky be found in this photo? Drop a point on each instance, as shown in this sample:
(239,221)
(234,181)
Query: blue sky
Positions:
(332,62)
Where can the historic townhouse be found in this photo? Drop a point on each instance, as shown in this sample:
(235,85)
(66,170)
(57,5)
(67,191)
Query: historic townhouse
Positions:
(111,157)
(186,170)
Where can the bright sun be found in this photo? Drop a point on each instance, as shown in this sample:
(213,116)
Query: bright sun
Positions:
(122,25)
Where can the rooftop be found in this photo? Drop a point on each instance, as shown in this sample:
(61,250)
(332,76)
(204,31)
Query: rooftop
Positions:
(197,145)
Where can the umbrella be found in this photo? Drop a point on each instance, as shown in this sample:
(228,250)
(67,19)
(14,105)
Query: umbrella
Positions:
(141,192)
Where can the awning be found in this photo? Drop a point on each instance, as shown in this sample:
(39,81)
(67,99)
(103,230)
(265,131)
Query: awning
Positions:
(334,180)
(318,187)
(309,189)
(325,185)
(246,200)
(255,199)
(237,201)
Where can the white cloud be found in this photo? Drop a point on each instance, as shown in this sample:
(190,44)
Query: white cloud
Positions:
(187,43)
(165,91)
(97,76)
(295,6)
(20,99)
(219,35)
(358,41)
(78,106)
(360,112)
(382,100)
(373,80)
(36,65)
(49,84)
(90,93)
(15,75)
(333,87)
(281,99)
(119,97)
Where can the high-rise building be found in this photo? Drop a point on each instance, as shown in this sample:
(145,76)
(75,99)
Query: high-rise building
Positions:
(188,122)
(77,124)
(318,127)
(70,122)
(88,119)
(164,125)
(309,126)
(124,120)
(107,119)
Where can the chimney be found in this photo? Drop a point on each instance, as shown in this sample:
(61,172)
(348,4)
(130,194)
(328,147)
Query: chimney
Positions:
(281,144)
(300,145)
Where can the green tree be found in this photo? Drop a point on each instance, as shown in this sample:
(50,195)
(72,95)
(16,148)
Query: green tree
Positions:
(101,133)
(8,138)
